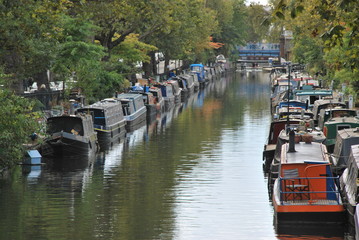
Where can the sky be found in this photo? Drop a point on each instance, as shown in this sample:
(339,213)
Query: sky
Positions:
(263,2)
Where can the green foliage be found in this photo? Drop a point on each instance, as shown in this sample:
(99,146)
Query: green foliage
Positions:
(329,27)
(233,30)
(17,123)
(257,14)
(132,50)
(307,50)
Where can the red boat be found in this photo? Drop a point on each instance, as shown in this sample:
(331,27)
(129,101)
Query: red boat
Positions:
(305,191)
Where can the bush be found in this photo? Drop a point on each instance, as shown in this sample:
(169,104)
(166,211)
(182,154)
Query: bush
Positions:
(16,124)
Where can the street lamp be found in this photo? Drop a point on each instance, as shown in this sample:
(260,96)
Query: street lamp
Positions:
(289,70)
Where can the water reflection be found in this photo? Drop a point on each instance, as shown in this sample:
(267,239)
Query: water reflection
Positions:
(194,172)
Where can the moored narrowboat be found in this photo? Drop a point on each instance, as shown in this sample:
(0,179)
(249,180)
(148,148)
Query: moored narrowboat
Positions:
(108,120)
(134,110)
(160,102)
(167,93)
(199,70)
(70,135)
(349,186)
(176,90)
(345,139)
(333,125)
(324,104)
(305,191)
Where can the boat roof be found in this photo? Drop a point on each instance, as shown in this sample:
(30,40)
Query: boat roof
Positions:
(196,65)
(292,103)
(305,153)
(80,116)
(123,96)
(355,153)
(328,102)
(336,120)
(313,92)
(349,133)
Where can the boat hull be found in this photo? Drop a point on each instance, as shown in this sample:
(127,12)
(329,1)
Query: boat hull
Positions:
(309,213)
(111,133)
(69,145)
(135,122)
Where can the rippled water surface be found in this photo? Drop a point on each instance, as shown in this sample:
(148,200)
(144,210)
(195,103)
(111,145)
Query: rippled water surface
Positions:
(194,172)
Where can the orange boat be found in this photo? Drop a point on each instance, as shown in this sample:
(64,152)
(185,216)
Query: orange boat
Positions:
(305,191)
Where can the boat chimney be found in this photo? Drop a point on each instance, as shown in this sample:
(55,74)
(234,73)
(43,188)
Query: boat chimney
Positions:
(291,141)
(306,104)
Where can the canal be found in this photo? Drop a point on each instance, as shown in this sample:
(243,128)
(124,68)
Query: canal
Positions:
(193,173)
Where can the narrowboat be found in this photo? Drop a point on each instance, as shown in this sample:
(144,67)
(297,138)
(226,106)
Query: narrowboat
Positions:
(324,104)
(195,81)
(293,103)
(345,139)
(305,193)
(167,93)
(134,110)
(349,186)
(328,113)
(148,99)
(302,134)
(199,70)
(333,125)
(208,73)
(160,102)
(176,90)
(70,135)
(108,120)
(182,83)
(311,95)
(189,83)
(293,113)
(269,148)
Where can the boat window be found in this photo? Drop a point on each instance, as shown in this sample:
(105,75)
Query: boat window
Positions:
(125,109)
(77,129)
(196,68)
(341,126)
(312,99)
(169,91)
(69,125)
(99,118)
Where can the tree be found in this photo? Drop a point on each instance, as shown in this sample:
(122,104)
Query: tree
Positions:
(233,30)
(335,26)
(17,123)
(29,33)
(258,31)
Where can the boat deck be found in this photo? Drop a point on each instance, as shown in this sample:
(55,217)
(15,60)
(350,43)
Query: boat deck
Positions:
(311,202)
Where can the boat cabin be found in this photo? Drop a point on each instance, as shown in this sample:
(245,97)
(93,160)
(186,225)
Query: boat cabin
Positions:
(311,95)
(349,186)
(199,70)
(329,113)
(176,90)
(345,139)
(324,104)
(333,125)
(294,113)
(306,192)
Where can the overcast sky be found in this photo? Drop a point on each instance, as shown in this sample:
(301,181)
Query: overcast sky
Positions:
(263,2)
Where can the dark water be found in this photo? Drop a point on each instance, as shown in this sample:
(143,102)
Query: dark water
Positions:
(193,173)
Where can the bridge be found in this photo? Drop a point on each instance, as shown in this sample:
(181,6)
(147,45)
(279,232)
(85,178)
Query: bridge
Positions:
(258,52)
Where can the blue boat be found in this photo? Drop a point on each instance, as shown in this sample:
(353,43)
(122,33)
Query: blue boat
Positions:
(200,71)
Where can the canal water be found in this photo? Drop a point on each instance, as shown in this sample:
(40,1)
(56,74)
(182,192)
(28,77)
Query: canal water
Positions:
(192,173)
